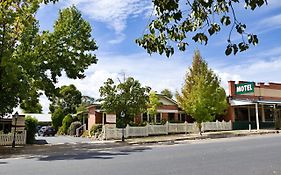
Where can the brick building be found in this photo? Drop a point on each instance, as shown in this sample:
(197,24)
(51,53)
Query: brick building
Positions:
(255,105)
(167,111)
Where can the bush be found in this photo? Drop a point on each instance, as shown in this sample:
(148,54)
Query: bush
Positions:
(85,134)
(66,122)
(57,118)
(95,128)
(72,128)
(30,126)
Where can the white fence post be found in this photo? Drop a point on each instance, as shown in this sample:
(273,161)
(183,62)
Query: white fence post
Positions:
(7,139)
(111,132)
(167,127)
(127,133)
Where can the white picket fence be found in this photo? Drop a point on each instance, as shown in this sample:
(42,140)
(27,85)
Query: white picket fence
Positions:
(111,132)
(7,139)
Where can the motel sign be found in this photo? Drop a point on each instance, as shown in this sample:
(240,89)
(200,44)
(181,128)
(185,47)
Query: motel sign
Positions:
(244,88)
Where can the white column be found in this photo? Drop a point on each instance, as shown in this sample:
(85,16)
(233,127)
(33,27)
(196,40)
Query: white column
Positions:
(262,113)
(103,118)
(257,116)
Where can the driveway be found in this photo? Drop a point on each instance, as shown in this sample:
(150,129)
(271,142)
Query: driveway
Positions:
(62,140)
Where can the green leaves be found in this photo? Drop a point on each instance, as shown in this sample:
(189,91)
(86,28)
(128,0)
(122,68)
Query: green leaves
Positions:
(214,28)
(153,103)
(127,96)
(32,61)
(240,28)
(174,23)
(253,39)
(254,3)
(225,20)
(200,37)
(68,99)
(233,47)
(201,96)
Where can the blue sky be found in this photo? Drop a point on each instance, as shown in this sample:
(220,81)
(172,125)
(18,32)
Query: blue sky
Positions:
(117,23)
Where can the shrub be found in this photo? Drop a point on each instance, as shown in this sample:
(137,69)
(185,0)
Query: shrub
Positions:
(66,122)
(57,118)
(95,128)
(72,128)
(30,126)
(85,134)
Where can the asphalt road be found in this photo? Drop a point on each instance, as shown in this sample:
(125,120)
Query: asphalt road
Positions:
(254,155)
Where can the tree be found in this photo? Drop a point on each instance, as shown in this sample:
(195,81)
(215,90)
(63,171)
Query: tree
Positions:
(152,104)
(176,21)
(57,118)
(127,96)
(66,102)
(201,96)
(167,93)
(68,98)
(31,104)
(31,61)
(30,126)
(66,122)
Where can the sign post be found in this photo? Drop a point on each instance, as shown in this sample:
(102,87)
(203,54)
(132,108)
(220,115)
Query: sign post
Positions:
(123,131)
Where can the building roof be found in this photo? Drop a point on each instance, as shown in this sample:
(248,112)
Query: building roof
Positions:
(41,117)
(168,99)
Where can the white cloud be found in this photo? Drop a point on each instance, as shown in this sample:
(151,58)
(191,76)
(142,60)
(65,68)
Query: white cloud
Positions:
(272,21)
(256,70)
(114,13)
(153,71)
(159,72)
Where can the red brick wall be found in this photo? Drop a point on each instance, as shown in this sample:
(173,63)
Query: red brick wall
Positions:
(98,118)
(168,107)
(137,119)
(165,116)
(231,88)
(176,117)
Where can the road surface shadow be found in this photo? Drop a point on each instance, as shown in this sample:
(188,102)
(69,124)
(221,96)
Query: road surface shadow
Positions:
(86,153)
(81,151)
(2,163)
(40,142)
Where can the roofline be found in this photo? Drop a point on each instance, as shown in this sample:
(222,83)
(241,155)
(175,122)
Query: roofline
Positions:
(173,101)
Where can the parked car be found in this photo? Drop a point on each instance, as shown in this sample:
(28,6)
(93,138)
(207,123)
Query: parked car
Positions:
(46,131)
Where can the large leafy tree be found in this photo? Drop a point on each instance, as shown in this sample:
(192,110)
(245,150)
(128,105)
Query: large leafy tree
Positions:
(30,60)
(68,98)
(128,96)
(167,93)
(64,104)
(202,97)
(177,21)
(31,104)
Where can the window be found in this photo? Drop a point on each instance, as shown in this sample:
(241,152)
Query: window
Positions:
(171,117)
(158,118)
(144,117)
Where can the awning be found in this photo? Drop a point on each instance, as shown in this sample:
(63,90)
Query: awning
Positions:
(240,102)
(268,102)
(250,102)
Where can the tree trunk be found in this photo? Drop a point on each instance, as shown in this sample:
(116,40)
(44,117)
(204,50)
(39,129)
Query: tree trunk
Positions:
(200,128)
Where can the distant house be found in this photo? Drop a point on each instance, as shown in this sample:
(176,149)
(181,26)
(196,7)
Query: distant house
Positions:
(167,111)
(6,124)
(9,123)
(43,119)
